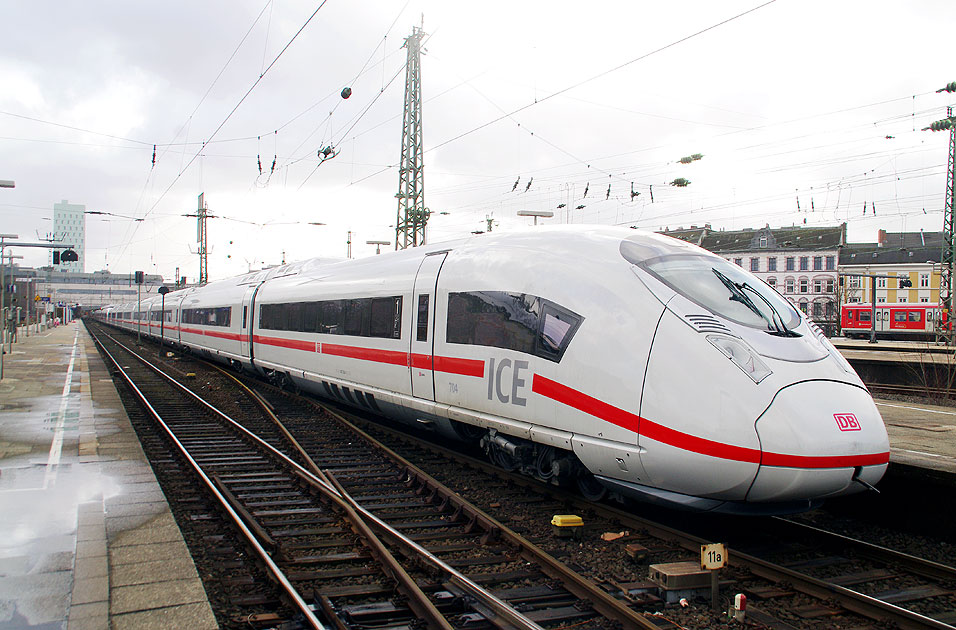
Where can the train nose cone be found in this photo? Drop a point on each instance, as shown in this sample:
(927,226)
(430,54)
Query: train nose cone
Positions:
(816,438)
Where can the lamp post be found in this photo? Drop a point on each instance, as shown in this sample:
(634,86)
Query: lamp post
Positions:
(163,290)
(3,284)
(535,214)
(378,245)
(9,256)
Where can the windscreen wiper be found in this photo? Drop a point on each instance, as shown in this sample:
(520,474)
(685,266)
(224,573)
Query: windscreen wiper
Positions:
(737,295)
(781,329)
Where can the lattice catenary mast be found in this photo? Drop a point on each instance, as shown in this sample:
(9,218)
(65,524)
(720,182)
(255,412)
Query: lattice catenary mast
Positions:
(412,213)
(949,222)
(202,213)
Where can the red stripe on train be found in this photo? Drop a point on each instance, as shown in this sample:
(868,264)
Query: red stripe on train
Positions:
(465,367)
(390,357)
(659,433)
(449,365)
(295,344)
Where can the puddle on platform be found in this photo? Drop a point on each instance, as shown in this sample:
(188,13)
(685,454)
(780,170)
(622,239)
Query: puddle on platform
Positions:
(13,620)
(37,520)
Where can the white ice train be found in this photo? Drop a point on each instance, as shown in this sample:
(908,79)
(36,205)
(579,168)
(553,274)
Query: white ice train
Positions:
(621,360)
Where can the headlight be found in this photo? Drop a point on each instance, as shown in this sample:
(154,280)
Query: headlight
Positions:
(742,356)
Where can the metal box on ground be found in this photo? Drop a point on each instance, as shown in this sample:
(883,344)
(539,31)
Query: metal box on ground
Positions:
(567,525)
(680,579)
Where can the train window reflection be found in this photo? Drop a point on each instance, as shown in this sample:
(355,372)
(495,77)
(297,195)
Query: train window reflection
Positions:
(216,316)
(724,289)
(514,321)
(553,331)
(361,317)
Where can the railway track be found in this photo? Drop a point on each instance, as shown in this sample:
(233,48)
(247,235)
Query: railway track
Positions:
(432,556)
(840,586)
(841,573)
(880,587)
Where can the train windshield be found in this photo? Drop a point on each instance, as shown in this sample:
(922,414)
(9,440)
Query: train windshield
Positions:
(726,290)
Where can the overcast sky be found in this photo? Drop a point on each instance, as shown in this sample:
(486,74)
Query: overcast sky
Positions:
(821,101)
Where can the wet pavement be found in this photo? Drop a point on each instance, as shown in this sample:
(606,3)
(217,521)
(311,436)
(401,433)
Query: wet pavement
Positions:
(86,537)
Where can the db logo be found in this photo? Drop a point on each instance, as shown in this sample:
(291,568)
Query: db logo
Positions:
(847,422)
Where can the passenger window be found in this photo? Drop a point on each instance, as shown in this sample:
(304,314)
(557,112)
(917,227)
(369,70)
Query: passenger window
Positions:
(422,334)
(899,316)
(386,317)
(362,317)
(355,317)
(493,318)
(331,317)
(557,328)
(914,316)
(514,321)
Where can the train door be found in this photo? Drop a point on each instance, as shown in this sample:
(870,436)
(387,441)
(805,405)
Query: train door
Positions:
(422,339)
(245,321)
(882,319)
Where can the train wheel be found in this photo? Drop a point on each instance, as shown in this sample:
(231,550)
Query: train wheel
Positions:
(590,488)
(288,384)
(467,432)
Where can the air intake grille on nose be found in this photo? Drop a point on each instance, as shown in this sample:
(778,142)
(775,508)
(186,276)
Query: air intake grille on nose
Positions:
(707,323)
(816,331)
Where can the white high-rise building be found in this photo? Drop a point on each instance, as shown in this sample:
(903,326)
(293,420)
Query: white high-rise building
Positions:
(69,227)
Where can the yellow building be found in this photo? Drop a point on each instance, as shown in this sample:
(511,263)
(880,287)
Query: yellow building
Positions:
(913,256)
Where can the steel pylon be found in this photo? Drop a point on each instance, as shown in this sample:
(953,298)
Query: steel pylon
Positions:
(412,214)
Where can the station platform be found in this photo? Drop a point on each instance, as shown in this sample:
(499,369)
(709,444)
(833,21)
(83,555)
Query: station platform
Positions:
(921,436)
(87,539)
(890,344)
(895,352)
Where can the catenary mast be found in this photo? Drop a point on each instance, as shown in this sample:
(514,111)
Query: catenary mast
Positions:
(412,214)
(949,236)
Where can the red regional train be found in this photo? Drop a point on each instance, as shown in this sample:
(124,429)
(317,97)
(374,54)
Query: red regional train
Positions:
(899,320)
(619,360)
